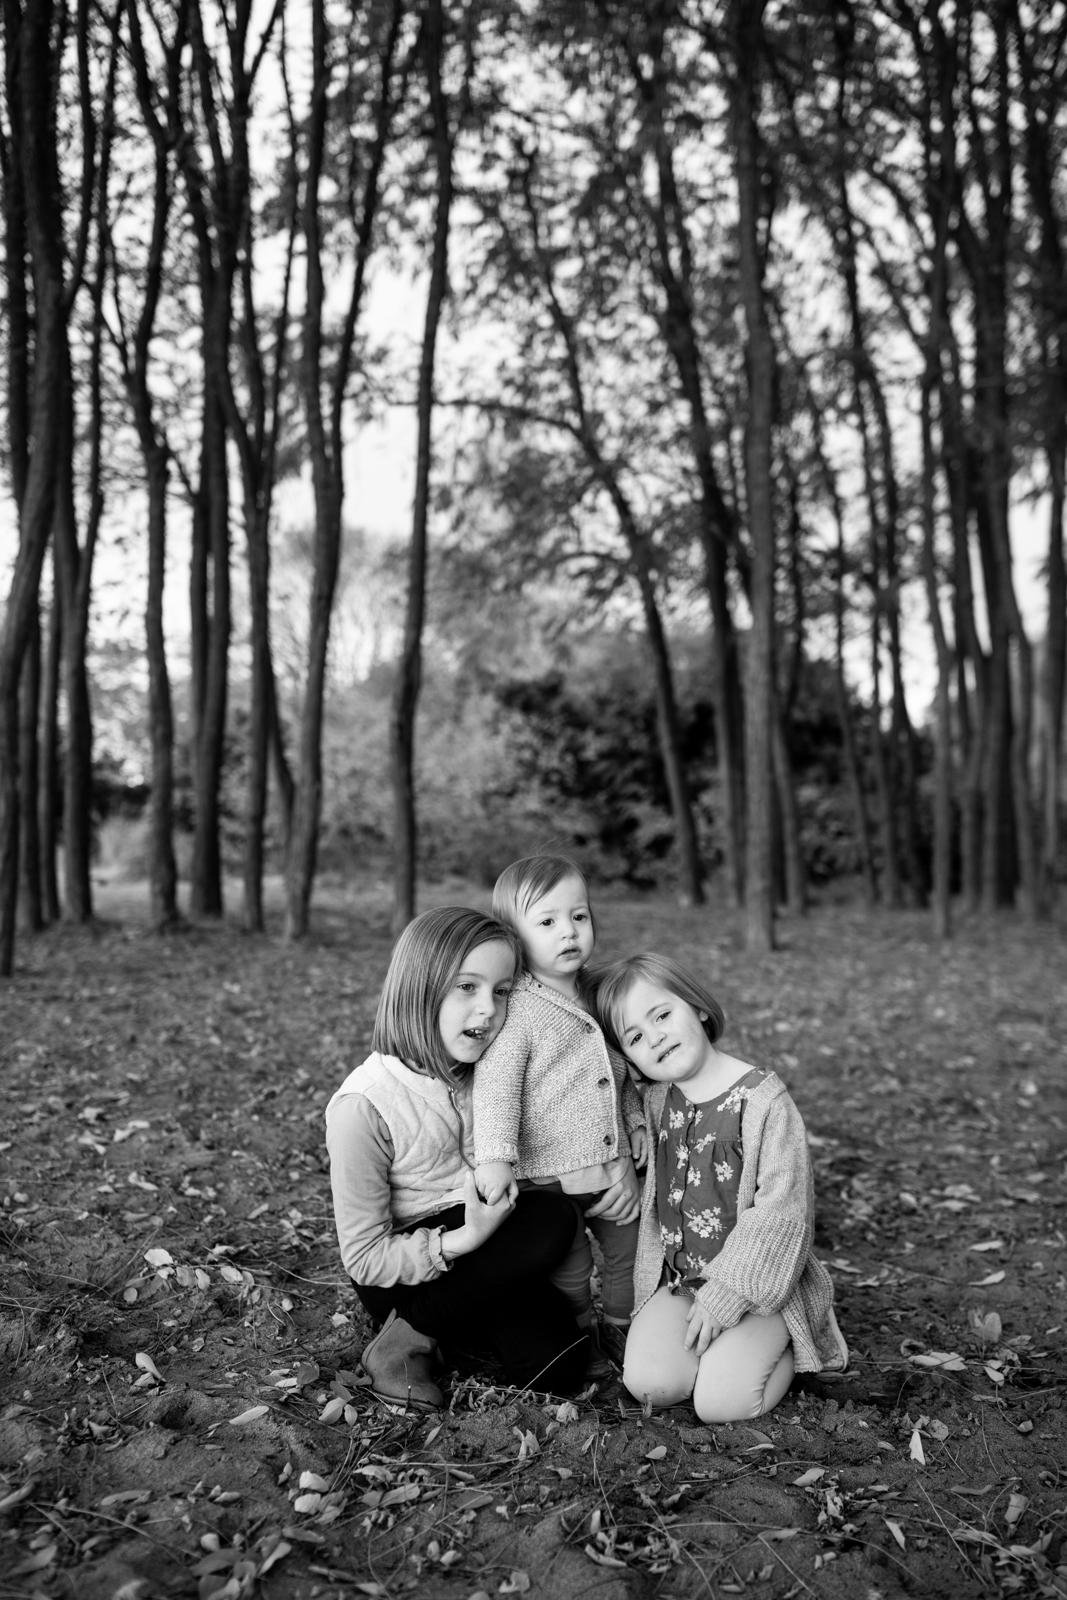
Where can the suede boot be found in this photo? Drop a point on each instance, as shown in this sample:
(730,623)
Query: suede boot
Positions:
(398,1361)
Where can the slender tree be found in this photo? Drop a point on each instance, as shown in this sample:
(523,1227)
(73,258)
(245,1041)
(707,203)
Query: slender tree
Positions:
(31,63)
(324,386)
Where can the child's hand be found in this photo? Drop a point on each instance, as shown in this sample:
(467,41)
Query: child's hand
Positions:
(481,1218)
(495,1179)
(622,1201)
(701,1330)
(639,1146)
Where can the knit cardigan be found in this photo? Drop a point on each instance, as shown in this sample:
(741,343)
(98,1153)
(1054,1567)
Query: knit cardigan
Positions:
(550,1095)
(766,1263)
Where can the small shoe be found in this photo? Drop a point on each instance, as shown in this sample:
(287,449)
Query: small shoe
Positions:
(613,1342)
(598,1367)
(398,1362)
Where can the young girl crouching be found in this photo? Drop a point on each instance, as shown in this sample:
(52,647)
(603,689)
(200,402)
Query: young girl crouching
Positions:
(442,1271)
(730,1300)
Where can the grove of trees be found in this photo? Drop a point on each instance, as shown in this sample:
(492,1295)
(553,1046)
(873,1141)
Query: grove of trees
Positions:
(734,334)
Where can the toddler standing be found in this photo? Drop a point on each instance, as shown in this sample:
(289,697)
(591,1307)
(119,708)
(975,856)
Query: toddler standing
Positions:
(553,1104)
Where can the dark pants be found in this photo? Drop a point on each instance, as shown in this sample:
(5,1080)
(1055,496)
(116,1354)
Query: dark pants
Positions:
(498,1301)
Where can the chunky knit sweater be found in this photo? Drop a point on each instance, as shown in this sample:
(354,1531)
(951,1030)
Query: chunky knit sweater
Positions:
(550,1096)
(766,1263)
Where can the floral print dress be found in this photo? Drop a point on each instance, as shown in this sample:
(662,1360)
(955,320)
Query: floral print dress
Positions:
(698,1167)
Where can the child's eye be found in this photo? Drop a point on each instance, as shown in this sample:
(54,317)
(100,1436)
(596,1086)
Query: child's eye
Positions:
(663,1015)
(503,991)
(635,1038)
(466,986)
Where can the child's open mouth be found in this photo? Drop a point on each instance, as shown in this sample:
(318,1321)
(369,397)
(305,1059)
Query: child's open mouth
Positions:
(476,1033)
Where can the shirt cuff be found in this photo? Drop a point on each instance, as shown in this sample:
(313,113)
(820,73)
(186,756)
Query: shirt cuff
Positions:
(437,1251)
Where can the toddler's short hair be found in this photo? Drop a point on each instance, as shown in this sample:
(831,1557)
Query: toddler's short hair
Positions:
(530,879)
(424,962)
(615,982)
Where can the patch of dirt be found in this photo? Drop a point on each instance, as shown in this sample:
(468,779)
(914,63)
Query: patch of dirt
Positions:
(182,1411)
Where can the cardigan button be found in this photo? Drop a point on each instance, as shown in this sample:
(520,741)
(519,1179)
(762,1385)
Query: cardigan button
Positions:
(607,1138)
(589,1027)
(603,1081)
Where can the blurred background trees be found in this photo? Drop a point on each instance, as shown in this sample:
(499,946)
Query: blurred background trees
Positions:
(711,362)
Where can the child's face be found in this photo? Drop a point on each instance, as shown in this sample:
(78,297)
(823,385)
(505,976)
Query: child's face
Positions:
(473,1010)
(662,1034)
(557,931)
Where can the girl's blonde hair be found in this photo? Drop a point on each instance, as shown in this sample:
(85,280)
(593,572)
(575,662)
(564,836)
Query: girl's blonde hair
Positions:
(614,983)
(423,966)
(530,879)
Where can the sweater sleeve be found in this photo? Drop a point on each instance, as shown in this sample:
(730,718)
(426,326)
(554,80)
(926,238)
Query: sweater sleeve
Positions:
(361,1154)
(764,1255)
(630,1102)
(498,1085)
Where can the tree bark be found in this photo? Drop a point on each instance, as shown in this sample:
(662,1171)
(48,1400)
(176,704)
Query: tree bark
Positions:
(409,668)
(746,30)
(27,37)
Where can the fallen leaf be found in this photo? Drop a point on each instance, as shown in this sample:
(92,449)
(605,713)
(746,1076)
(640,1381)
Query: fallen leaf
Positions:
(253,1414)
(599,1556)
(143,1360)
(313,1480)
(1017,1504)
(45,1557)
(897,1531)
(916,1450)
(987,1244)
(992,1277)
(528,1445)
(946,1360)
(657,1452)
(806,1479)
(282,1548)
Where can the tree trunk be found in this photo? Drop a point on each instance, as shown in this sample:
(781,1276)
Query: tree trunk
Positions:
(162,868)
(746,27)
(27,37)
(794,871)
(29,778)
(326,441)
(942,870)
(409,671)
(77,754)
(50,773)
(206,896)
(717,532)
(1051,292)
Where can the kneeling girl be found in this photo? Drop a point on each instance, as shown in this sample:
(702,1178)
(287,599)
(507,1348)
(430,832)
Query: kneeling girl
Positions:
(730,1299)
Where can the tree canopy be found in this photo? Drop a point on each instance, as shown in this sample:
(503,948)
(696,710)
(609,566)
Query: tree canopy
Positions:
(733,340)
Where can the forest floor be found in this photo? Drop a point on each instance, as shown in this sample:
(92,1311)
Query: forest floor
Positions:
(182,1411)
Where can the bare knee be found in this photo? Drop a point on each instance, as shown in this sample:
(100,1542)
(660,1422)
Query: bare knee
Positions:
(649,1385)
(741,1401)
